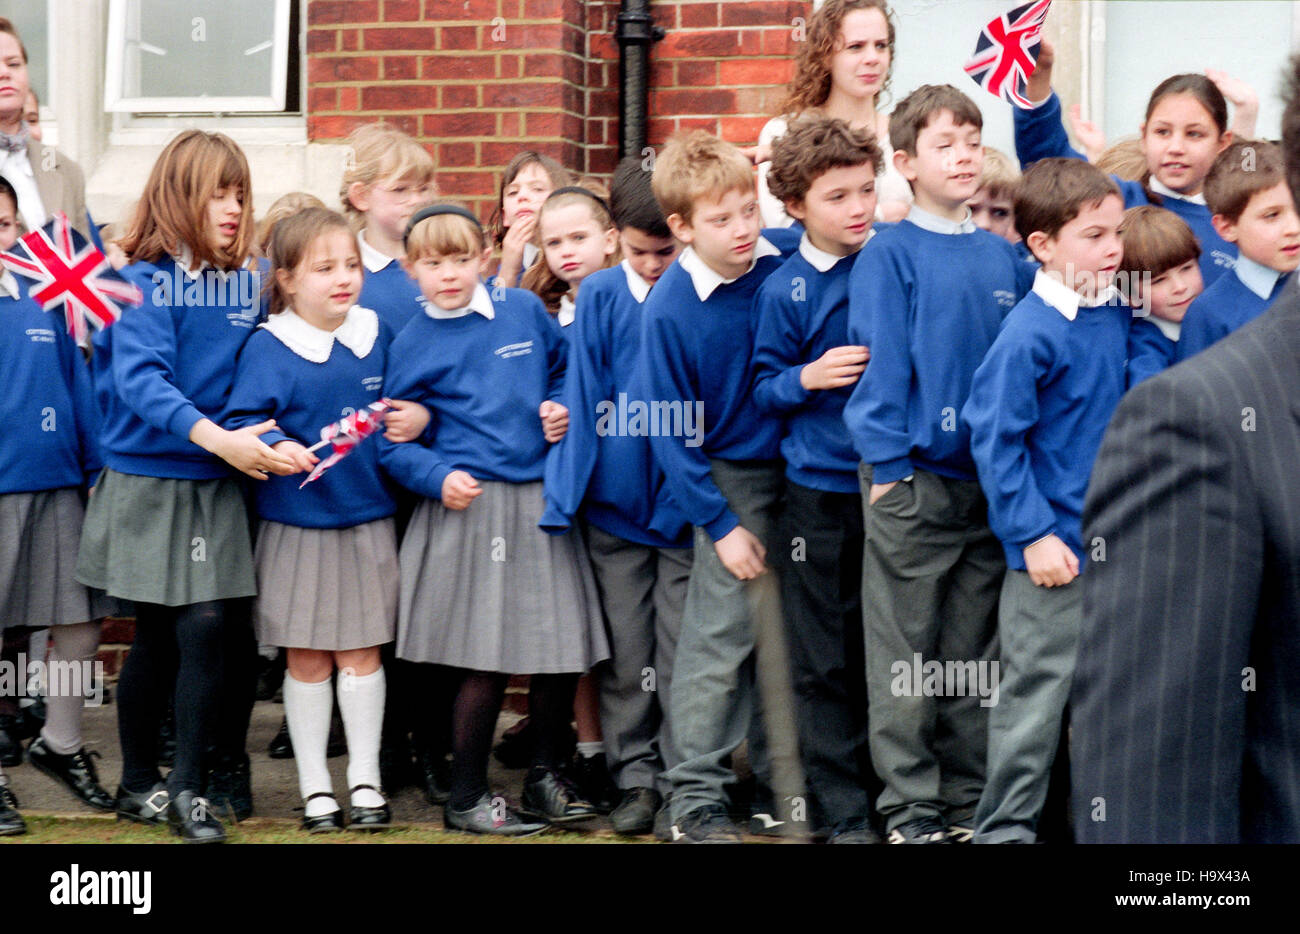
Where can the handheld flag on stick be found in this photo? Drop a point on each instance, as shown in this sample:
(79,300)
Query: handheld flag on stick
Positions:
(345,434)
(67,270)
(1007,52)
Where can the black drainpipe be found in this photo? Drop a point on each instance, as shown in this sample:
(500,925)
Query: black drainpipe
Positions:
(635,33)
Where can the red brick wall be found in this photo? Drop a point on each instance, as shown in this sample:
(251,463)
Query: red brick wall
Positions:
(478,80)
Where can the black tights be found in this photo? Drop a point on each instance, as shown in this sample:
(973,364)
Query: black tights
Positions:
(178,650)
(474,720)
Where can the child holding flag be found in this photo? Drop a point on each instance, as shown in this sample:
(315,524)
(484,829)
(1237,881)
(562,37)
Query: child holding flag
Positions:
(326,554)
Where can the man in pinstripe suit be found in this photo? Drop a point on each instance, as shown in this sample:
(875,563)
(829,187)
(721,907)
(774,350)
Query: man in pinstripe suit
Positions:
(1186,702)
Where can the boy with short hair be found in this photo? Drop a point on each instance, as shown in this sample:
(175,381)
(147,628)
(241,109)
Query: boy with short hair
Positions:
(824,173)
(640,544)
(697,348)
(927,297)
(1252,207)
(1039,404)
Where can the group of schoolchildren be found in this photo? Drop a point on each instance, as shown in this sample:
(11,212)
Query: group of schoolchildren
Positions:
(693,466)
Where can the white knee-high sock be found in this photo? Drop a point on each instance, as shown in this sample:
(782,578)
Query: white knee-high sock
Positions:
(308,707)
(73,644)
(361,702)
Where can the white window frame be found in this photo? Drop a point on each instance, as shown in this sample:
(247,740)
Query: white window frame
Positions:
(117,102)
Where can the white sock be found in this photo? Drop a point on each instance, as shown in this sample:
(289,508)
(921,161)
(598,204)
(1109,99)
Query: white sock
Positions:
(361,702)
(591,750)
(308,707)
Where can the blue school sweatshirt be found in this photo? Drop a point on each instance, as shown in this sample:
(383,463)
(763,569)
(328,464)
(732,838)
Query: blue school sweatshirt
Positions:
(1228,304)
(928,305)
(386,287)
(1039,404)
(306,378)
(1150,350)
(699,351)
(48,416)
(803,311)
(601,469)
(167,364)
(483,379)
(1040,134)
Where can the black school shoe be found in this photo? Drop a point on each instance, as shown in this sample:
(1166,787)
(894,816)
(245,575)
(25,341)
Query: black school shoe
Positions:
(323,823)
(190,817)
(850,832)
(369,818)
(591,776)
(75,771)
(144,807)
(281,746)
(11,750)
(635,814)
(435,777)
(492,817)
(708,824)
(230,788)
(550,795)
(11,822)
(920,830)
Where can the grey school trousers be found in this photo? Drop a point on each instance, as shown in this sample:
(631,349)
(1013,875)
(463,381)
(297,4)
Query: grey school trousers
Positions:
(642,594)
(1038,628)
(715,678)
(931,573)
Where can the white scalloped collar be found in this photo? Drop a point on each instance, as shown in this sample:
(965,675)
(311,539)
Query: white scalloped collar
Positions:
(357,333)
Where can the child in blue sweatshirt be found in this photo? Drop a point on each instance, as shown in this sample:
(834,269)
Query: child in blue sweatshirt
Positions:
(603,472)
(1162,279)
(1038,406)
(49,458)
(719,455)
(927,297)
(484,591)
(824,172)
(389,178)
(327,553)
(1253,209)
(167,526)
(1186,127)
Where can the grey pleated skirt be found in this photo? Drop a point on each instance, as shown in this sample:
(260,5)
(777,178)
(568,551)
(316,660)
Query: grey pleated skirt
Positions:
(166,541)
(484,588)
(39,536)
(327,589)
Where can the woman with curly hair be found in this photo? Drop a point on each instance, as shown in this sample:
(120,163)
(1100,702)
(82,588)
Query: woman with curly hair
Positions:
(842,68)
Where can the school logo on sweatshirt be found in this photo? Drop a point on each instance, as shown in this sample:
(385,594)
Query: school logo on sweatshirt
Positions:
(372,383)
(1004,298)
(41,335)
(514,350)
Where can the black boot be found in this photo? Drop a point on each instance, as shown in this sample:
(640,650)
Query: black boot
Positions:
(230,788)
(190,817)
(11,750)
(11,822)
(74,770)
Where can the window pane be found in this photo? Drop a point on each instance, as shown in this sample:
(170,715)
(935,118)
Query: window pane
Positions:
(32,20)
(200,48)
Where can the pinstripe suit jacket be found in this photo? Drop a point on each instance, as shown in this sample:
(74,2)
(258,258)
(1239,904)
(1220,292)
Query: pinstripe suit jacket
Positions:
(1186,702)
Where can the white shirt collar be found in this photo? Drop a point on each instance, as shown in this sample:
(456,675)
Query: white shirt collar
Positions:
(818,258)
(1063,298)
(941,225)
(371,258)
(357,333)
(9,285)
(706,281)
(1162,189)
(1170,329)
(638,286)
(1256,277)
(480,302)
(565,316)
(531,253)
(185,259)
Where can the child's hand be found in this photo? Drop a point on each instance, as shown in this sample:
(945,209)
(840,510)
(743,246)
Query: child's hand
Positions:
(1093,140)
(839,366)
(406,421)
(459,490)
(113,253)
(303,459)
(1050,562)
(1242,97)
(878,490)
(512,249)
(1039,86)
(555,420)
(243,448)
(891,212)
(741,553)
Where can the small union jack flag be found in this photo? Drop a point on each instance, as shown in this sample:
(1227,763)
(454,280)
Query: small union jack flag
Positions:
(344,435)
(67,270)
(1007,51)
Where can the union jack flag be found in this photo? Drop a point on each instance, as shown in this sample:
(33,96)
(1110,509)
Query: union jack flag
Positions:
(67,270)
(344,435)
(1007,51)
